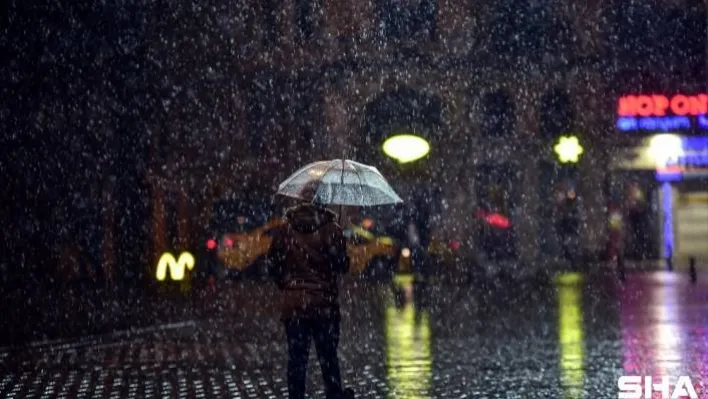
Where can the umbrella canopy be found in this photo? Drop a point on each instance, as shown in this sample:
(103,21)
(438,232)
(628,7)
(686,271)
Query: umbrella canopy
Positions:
(339,182)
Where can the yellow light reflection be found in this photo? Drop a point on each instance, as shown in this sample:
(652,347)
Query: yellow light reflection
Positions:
(177,267)
(570,334)
(406,147)
(408,350)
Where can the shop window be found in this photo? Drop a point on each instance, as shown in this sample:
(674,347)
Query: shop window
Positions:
(498,113)
(556,114)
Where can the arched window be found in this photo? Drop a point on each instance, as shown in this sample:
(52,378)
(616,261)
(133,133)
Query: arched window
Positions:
(556,114)
(498,113)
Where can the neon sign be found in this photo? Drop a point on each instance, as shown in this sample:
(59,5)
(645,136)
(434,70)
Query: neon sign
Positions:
(662,113)
(177,266)
(693,164)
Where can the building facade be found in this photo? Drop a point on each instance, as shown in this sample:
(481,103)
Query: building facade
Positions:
(259,87)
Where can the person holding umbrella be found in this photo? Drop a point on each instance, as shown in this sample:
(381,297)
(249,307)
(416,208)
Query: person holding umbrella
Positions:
(308,254)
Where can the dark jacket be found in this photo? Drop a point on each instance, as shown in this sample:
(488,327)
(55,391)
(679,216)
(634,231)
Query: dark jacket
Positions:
(306,256)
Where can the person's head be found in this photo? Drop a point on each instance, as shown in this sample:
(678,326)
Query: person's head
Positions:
(309,193)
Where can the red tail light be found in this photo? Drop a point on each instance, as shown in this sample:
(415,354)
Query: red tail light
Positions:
(498,220)
(229,243)
(211,243)
(455,245)
(494,219)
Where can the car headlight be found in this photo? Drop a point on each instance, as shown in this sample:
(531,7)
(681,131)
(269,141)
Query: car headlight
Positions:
(405,252)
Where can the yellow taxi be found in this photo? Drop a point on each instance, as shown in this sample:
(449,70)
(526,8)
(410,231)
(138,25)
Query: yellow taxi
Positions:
(244,252)
(439,254)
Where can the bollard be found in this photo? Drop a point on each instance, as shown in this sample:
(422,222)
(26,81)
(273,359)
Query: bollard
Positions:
(620,268)
(692,269)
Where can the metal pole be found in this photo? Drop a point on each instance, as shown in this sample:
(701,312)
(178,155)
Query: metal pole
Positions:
(341,207)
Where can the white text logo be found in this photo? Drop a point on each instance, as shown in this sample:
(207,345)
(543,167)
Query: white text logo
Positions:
(631,387)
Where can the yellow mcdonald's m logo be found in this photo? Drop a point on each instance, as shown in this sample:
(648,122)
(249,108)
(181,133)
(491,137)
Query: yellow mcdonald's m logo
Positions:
(177,266)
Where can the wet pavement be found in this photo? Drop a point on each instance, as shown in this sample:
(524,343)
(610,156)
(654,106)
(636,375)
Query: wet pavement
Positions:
(567,338)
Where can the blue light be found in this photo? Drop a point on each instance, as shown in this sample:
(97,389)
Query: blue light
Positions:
(669,176)
(627,124)
(668,209)
(695,144)
(664,124)
(648,123)
(703,122)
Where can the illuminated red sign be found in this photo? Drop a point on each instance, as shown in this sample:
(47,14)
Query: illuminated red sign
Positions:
(660,113)
(660,105)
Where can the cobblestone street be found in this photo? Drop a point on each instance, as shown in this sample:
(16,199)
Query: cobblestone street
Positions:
(569,339)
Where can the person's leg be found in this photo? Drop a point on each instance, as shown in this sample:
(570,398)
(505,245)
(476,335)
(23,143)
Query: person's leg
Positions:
(326,337)
(298,335)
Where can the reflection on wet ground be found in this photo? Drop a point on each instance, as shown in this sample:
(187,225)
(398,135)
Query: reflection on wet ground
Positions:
(408,349)
(568,338)
(570,334)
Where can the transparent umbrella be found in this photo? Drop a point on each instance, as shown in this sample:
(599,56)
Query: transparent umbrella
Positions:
(339,182)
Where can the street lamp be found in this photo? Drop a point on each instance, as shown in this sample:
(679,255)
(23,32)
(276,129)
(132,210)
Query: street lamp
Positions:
(568,149)
(406,148)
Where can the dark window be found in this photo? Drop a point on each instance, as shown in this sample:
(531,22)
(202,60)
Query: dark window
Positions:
(171,221)
(408,19)
(648,34)
(306,18)
(556,114)
(504,27)
(239,215)
(258,106)
(427,12)
(304,114)
(685,33)
(497,114)
(268,109)
(270,22)
(533,31)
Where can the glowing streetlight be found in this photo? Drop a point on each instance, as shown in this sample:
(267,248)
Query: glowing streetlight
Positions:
(664,147)
(568,149)
(406,147)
